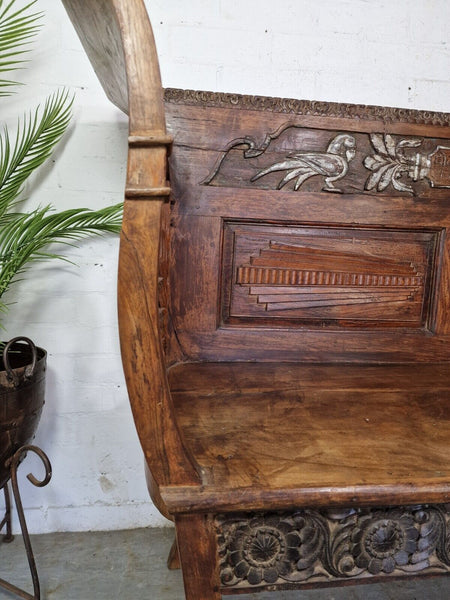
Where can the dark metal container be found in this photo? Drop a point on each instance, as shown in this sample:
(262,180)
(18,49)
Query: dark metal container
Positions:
(22,396)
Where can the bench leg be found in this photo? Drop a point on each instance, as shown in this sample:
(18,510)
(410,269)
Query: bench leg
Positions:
(173,561)
(197,546)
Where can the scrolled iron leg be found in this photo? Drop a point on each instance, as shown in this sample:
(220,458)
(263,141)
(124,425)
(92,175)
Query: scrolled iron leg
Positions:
(8,537)
(14,463)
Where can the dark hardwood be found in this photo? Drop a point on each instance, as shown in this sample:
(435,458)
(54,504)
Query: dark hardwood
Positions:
(284,313)
(198,547)
(326,434)
(226,237)
(312,547)
(173,561)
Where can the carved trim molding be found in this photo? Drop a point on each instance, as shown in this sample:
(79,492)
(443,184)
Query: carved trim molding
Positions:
(306,107)
(317,546)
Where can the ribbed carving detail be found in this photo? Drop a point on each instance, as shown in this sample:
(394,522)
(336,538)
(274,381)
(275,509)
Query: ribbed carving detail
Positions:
(287,277)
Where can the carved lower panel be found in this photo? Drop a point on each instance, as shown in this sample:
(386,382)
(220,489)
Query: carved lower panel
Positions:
(323,546)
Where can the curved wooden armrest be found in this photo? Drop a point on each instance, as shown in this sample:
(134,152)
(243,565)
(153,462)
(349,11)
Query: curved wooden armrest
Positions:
(142,355)
(118,39)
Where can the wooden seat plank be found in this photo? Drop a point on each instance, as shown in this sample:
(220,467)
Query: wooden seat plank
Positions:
(287,426)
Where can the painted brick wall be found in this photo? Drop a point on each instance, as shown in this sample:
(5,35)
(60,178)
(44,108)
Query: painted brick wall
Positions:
(376,51)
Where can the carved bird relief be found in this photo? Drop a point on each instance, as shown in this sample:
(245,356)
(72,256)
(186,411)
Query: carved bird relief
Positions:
(332,164)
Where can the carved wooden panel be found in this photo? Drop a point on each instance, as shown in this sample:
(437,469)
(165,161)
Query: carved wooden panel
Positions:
(374,177)
(439,172)
(294,157)
(312,546)
(327,275)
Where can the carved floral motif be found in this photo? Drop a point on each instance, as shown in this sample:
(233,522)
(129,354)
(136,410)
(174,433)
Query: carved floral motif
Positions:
(264,549)
(384,541)
(393,159)
(270,548)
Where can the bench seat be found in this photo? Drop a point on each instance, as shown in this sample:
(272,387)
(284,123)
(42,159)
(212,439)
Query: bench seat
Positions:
(313,434)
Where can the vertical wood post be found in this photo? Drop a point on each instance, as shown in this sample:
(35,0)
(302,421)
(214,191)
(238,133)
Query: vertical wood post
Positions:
(197,545)
(119,40)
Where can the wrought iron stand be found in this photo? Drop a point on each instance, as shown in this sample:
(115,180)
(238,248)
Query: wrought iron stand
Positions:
(13,464)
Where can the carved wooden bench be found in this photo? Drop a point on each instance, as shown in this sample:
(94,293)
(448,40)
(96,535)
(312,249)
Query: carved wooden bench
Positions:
(284,314)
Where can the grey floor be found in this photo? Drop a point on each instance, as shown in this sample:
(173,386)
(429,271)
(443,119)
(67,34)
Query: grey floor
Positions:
(130,565)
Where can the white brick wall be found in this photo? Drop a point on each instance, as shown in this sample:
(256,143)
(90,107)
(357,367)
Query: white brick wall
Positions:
(379,52)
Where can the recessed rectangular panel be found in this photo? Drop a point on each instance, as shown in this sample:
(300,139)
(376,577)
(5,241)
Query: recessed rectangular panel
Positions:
(327,276)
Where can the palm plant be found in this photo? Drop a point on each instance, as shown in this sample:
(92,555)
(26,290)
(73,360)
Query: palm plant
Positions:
(26,236)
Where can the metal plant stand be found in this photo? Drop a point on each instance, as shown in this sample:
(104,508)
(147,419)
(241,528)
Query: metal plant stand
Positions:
(13,464)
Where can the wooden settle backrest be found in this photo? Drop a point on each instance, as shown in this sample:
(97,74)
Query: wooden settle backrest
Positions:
(298,231)
(304,231)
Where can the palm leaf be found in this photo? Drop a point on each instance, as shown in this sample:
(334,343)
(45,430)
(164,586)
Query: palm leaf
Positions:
(24,239)
(35,139)
(17,30)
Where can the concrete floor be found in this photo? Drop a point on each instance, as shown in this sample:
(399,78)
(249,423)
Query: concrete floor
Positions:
(131,565)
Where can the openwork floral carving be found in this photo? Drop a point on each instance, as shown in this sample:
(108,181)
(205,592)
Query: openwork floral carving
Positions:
(385,541)
(271,548)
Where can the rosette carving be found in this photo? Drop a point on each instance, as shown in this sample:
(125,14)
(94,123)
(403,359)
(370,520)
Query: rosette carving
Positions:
(270,548)
(265,548)
(384,541)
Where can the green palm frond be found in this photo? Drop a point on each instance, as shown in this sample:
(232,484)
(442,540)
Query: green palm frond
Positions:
(17,30)
(35,139)
(24,238)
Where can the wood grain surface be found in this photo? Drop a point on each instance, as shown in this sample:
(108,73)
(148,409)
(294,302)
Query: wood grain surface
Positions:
(284,302)
(323,429)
